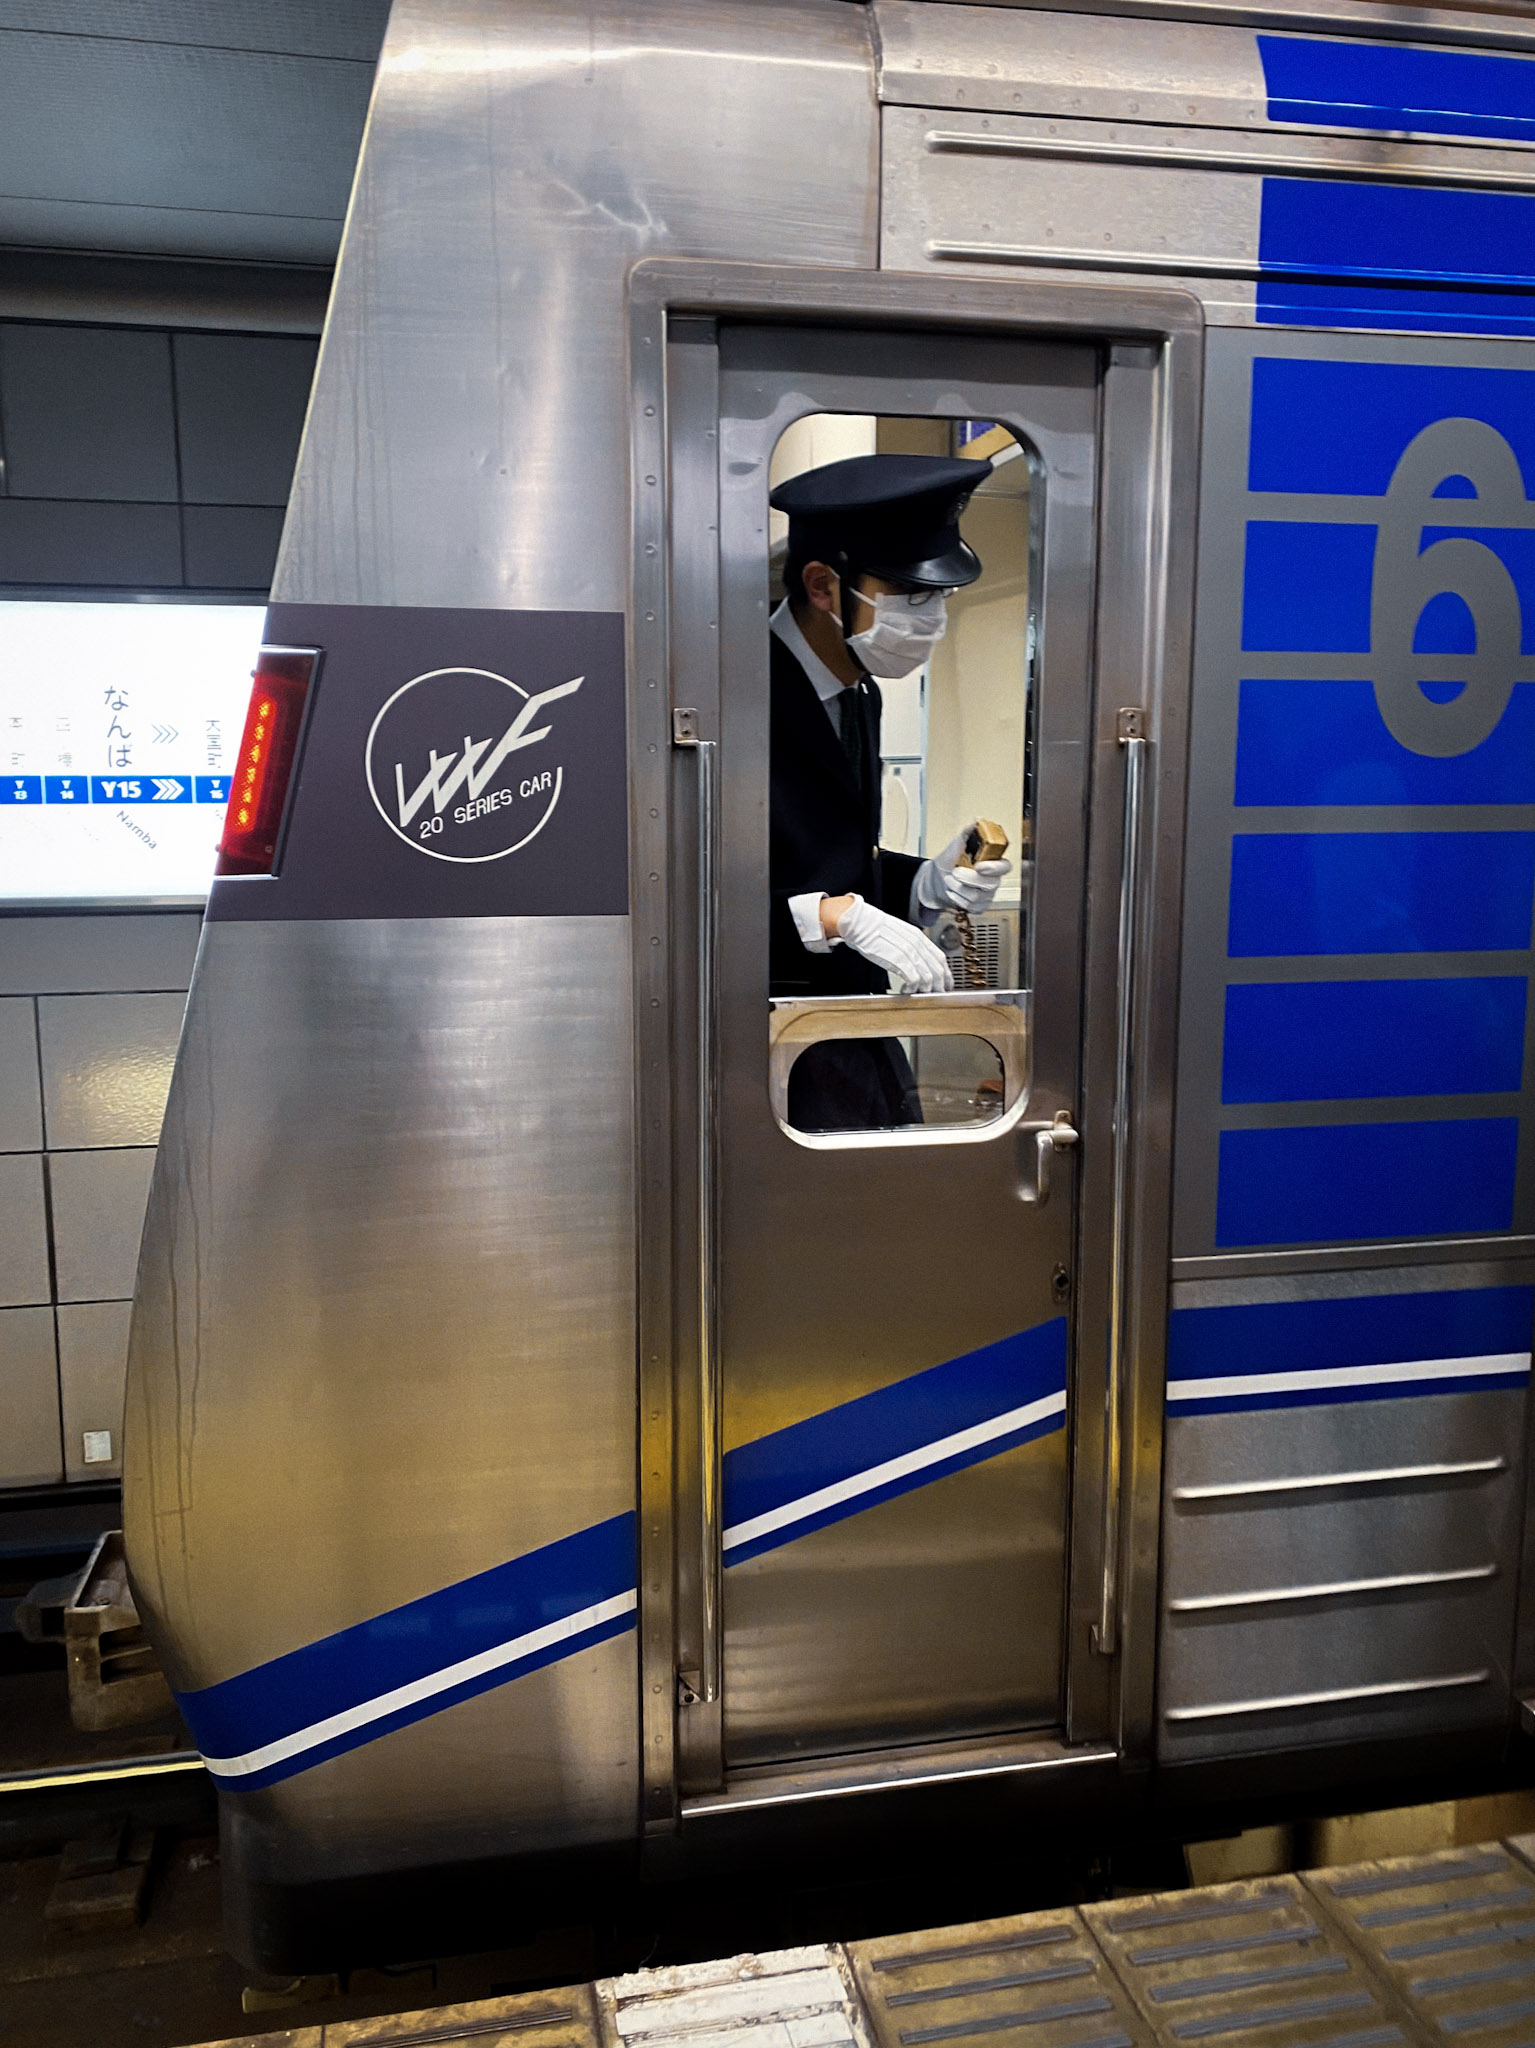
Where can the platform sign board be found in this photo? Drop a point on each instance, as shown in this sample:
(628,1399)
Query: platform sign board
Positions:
(119,724)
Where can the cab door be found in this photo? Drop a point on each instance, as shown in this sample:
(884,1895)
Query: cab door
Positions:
(895,1421)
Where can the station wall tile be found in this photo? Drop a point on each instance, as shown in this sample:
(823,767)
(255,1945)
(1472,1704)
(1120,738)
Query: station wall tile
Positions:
(74,541)
(29,1399)
(87,955)
(231,547)
(107,1063)
(98,1218)
(21,1102)
(87,412)
(93,1361)
(23,1231)
(240,403)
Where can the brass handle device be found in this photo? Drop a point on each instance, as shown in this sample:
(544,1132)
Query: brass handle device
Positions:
(986,840)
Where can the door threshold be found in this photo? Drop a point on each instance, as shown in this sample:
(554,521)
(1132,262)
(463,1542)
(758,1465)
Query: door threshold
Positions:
(921,1767)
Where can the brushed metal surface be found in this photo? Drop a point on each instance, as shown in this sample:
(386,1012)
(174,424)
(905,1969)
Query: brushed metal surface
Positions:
(1382,1602)
(1493,27)
(386,1330)
(384,1337)
(483,446)
(1037,61)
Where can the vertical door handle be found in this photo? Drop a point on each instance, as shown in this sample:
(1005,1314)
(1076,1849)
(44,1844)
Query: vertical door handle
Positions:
(1132,738)
(1059,1135)
(705,1684)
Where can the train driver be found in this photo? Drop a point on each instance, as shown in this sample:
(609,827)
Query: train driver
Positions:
(874,550)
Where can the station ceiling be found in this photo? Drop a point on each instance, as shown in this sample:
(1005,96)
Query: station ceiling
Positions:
(183,128)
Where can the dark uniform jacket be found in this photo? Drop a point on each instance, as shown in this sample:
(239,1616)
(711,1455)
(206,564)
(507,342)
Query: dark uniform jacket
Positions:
(824,835)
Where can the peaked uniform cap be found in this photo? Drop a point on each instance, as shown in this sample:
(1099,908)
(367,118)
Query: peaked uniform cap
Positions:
(895,516)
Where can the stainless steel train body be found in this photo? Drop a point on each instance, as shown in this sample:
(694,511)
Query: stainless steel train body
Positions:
(533,1444)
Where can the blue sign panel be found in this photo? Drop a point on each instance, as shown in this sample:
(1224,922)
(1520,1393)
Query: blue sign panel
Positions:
(213,789)
(21,789)
(67,789)
(1375,665)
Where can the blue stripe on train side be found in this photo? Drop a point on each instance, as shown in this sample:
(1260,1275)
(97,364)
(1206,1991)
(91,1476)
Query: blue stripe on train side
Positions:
(1360,416)
(1380,892)
(1347,1183)
(1354,255)
(412,1644)
(1302,741)
(362,1682)
(808,1463)
(1307,587)
(1319,1041)
(1388,87)
(1382,1347)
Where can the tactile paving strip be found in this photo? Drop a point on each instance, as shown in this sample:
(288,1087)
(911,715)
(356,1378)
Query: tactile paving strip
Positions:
(1034,1981)
(1246,1966)
(789,1998)
(540,2019)
(1453,1933)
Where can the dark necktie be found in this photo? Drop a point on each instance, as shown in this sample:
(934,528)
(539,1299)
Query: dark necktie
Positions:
(850,725)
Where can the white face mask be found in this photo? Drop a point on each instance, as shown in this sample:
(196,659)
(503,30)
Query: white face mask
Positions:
(904,633)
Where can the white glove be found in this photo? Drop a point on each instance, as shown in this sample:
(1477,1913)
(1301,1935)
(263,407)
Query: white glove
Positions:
(892,943)
(942,884)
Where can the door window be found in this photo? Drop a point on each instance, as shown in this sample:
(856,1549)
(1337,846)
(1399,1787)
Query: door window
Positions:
(872,1038)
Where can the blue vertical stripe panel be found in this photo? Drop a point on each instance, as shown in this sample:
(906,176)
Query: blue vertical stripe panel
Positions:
(1358,417)
(1381,892)
(1339,1183)
(1306,586)
(1319,1041)
(1391,87)
(1308,742)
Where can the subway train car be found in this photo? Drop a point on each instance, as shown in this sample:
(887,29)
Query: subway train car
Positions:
(543,1452)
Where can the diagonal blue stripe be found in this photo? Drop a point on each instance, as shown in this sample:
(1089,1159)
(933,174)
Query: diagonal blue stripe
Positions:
(857,1435)
(420,1710)
(411,1642)
(426,1636)
(839,1511)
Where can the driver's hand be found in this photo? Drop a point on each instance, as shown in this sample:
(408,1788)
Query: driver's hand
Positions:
(945,883)
(892,943)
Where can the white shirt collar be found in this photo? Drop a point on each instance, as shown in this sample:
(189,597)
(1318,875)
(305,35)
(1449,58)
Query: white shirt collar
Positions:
(823,682)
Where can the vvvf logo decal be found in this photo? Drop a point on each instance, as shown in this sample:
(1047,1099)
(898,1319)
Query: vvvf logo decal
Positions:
(448,768)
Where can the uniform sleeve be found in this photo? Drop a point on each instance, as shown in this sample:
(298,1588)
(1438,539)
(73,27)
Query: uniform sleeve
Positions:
(806,913)
(898,877)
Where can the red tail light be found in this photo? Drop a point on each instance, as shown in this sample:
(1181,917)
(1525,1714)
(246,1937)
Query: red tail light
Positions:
(268,746)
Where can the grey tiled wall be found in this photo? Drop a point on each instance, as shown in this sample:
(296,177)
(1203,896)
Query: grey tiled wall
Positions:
(90,1008)
(143,459)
